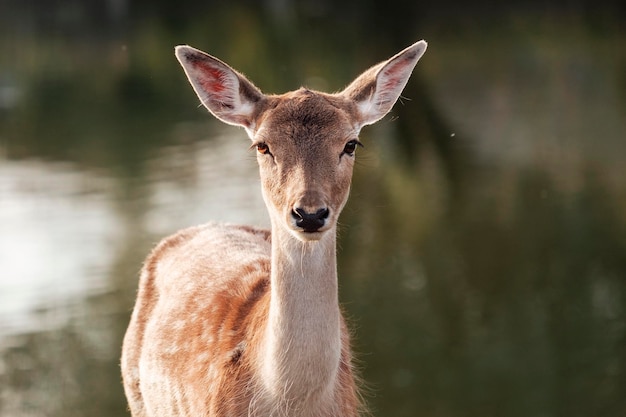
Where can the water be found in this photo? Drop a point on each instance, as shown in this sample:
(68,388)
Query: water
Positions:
(483,251)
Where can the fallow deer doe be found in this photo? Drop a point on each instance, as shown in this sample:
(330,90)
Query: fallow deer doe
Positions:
(234,321)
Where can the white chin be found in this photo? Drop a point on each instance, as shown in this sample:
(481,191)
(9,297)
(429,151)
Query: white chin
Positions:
(308,236)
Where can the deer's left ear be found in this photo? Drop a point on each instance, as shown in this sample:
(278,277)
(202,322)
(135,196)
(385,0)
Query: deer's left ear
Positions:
(377,89)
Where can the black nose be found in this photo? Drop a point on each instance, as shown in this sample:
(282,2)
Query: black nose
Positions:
(310,222)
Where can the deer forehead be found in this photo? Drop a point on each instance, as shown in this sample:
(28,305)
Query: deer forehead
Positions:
(305,121)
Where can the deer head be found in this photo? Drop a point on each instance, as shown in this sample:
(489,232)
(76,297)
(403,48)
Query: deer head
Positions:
(305,140)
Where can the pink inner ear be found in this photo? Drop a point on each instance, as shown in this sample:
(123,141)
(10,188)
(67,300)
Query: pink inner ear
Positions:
(391,83)
(394,75)
(212,79)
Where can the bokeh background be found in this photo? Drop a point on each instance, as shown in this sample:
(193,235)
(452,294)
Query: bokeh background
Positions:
(483,252)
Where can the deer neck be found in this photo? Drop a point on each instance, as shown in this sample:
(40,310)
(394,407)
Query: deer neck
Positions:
(302,339)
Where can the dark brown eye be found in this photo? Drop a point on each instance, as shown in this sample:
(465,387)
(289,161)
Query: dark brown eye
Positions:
(350,147)
(262,148)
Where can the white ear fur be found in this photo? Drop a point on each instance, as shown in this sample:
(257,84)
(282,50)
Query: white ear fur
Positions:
(228,95)
(377,89)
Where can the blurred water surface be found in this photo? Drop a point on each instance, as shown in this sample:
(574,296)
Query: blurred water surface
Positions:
(483,251)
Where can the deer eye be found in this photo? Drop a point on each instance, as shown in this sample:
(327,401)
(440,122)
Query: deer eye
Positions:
(263,148)
(350,147)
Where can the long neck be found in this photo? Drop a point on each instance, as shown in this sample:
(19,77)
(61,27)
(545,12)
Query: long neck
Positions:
(302,340)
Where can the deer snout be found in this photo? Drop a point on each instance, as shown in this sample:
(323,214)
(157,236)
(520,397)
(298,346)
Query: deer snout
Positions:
(310,222)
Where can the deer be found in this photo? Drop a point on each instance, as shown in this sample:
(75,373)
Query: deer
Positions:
(234,321)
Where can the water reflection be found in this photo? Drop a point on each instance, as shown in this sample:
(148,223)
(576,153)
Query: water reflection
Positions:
(483,251)
(48,210)
(493,313)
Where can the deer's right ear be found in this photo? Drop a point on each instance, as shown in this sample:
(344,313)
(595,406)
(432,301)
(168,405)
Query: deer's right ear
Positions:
(228,95)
